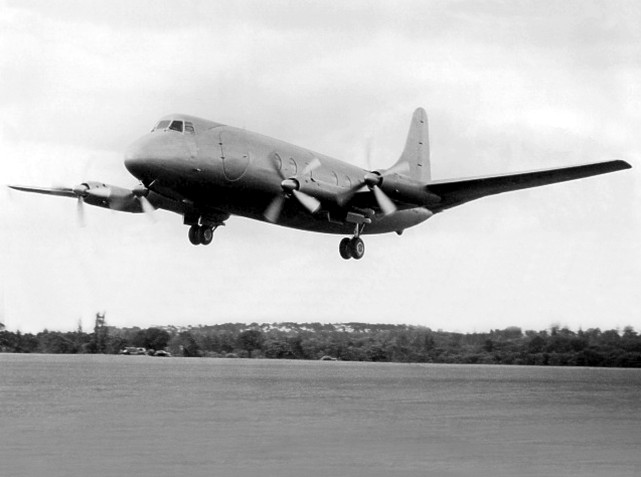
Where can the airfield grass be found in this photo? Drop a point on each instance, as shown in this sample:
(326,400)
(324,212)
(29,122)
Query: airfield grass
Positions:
(72,415)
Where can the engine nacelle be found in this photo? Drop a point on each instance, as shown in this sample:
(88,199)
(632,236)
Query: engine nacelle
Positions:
(406,190)
(110,196)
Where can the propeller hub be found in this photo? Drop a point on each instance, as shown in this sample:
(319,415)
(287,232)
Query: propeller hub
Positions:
(372,179)
(290,185)
(81,190)
(140,191)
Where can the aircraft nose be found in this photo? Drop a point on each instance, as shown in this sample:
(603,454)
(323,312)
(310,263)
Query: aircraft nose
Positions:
(137,156)
(154,154)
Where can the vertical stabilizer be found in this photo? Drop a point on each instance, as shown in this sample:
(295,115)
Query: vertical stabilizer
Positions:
(416,155)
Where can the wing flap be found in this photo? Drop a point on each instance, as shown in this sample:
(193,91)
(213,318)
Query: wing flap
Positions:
(460,191)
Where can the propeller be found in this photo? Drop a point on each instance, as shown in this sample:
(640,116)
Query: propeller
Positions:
(80,212)
(141,193)
(102,195)
(115,198)
(81,192)
(291,187)
(373,180)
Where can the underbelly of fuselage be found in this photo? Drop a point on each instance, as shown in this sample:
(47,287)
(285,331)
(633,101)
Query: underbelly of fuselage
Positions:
(252,204)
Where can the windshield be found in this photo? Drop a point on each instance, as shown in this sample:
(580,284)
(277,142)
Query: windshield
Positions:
(175,125)
(161,125)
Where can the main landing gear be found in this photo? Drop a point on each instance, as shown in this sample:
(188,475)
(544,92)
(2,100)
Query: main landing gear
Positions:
(201,234)
(202,227)
(353,247)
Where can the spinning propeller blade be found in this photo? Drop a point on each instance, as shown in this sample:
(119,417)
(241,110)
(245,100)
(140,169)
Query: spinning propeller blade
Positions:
(147,208)
(384,202)
(310,203)
(80,211)
(275,207)
(312,166)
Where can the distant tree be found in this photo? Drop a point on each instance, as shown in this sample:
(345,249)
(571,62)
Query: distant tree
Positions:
(152,338)
(56,342)
(278,348)
(184,344)
(250,340)
(536,344)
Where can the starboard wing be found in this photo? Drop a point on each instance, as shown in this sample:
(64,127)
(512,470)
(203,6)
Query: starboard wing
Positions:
(459,191)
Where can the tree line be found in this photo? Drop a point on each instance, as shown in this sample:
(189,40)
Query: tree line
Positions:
(349,342)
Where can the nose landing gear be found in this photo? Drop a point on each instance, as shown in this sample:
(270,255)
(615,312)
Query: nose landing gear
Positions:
(353,247)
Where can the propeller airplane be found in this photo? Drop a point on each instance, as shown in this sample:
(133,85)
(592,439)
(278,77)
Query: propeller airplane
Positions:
(207,171)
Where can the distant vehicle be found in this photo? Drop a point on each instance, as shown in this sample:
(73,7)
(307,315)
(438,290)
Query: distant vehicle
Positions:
(207,171)
(132,350)
(328,358)
(162,353)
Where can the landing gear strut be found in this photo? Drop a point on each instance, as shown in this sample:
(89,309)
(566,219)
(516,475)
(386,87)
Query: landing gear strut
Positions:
(353,247)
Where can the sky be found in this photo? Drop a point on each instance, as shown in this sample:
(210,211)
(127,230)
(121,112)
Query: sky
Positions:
(508,87)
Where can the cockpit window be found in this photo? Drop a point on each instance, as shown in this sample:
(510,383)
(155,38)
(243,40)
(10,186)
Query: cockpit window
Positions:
(176,126)
(161,125)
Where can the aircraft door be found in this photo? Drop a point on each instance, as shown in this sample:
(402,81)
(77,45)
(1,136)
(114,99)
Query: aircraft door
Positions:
(234,153)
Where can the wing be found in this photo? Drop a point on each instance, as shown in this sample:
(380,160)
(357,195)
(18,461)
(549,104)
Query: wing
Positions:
(460,191)
(60,191)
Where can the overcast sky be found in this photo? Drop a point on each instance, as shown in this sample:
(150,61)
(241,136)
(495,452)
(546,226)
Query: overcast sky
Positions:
(508,86)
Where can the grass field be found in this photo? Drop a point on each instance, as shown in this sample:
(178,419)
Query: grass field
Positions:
(86,415)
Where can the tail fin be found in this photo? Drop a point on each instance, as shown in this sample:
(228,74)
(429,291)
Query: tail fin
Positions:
(416,154)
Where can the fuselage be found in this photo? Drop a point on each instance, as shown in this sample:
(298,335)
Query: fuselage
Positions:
(207,171)
(219,169)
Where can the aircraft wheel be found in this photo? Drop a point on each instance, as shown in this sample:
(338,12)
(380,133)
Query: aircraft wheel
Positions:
(344,248)
(194,234)
(206,235)
(357,248)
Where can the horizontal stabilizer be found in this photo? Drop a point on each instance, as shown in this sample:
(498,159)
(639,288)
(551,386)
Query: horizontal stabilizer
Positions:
(459,191)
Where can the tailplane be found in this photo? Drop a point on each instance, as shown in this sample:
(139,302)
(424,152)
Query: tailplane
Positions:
(415,158)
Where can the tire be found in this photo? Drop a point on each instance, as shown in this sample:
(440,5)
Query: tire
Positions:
(194,235)
(206,235)
(357,248)
(344,248)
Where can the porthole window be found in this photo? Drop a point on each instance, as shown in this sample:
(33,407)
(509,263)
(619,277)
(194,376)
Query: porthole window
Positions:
(293,166)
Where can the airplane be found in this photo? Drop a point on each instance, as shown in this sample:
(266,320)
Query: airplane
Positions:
(207,171)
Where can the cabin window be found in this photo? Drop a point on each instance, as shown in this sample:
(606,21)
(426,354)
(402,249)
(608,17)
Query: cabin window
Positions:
(189,128)
(293,166)
(335,178)
(278,161)
(348,182)
(176,126)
